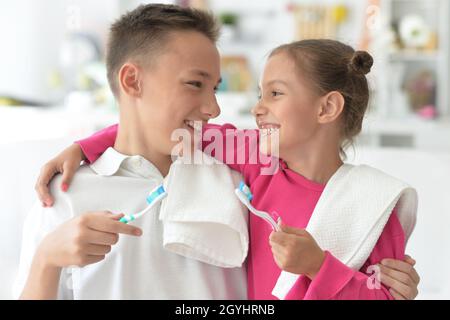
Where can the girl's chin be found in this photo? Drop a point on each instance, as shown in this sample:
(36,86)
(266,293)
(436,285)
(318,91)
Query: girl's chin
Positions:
(269,145)
(268,150)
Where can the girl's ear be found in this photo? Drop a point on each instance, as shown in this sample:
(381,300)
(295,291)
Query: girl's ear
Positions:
(331,107)
(129,80)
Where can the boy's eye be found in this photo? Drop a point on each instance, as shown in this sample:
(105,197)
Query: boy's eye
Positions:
(196,84)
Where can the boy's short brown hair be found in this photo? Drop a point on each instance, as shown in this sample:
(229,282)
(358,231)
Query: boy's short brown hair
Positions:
(145,31)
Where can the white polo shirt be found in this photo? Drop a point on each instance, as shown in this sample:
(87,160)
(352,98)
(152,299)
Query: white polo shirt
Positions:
(137,267)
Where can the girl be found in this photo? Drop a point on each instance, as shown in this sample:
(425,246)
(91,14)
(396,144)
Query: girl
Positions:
(314,95)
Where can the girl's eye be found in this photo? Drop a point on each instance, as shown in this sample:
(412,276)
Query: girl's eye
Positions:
(276,93)
(196,84)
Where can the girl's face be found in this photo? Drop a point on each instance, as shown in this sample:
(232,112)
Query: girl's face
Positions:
(287,107)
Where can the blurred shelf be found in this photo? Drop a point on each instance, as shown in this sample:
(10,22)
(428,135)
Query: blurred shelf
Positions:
(407,65)
(406,124)
(413,56)
(408,132)
(422,2)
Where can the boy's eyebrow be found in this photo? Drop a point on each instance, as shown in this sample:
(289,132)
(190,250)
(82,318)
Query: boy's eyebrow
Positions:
(204,74)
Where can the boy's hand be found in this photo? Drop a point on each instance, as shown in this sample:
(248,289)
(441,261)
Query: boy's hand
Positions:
(296,251)
(83,240)
(401,277)
(67,162)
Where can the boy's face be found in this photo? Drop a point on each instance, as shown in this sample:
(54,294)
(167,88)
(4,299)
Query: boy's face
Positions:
(178,88)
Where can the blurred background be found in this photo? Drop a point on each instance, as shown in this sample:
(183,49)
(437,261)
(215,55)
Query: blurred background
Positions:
(53,89)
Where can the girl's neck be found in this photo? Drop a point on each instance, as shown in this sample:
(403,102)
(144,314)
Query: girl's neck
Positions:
(317,164)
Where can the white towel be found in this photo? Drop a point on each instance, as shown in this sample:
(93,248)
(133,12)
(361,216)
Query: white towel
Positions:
(203,219)
(350,228)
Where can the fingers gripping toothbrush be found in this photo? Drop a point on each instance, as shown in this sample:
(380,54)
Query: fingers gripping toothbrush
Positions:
(244,194)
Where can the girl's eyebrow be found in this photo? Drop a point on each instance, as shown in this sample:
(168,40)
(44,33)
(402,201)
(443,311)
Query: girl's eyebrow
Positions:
(277,81)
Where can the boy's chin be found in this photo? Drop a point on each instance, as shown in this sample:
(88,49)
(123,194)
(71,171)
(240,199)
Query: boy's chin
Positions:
(182,149)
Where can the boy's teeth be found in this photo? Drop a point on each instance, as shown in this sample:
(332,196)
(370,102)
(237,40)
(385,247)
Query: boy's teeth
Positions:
(193,124)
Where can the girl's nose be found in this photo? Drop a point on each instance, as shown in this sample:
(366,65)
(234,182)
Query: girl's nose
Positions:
(258,109)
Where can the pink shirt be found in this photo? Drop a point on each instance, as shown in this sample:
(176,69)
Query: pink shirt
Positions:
(293,198)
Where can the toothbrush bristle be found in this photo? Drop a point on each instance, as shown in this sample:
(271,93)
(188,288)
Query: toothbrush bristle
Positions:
(155,193)
(246,190)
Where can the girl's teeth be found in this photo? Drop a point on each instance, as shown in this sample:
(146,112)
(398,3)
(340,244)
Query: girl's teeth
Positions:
(269,131)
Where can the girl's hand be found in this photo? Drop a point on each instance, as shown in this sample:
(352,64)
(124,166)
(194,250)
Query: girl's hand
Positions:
(401,277)
(67,163)
(83,240)
(296,251)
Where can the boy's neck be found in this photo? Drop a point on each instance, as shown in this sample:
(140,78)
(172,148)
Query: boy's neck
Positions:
(133,141)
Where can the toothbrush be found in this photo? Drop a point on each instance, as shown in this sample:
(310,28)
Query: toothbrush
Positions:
(156,195)
(245,196)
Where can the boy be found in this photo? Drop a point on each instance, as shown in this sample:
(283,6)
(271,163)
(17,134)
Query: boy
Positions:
(163,68)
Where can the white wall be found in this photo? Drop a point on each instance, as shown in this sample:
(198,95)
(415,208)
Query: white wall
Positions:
(32,32)
(429,173)
(19,167)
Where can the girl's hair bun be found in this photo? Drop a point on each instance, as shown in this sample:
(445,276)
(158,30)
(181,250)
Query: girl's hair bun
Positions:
(361,63)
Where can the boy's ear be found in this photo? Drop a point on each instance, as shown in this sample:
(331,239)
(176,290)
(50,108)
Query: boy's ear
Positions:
(331,107)
(129,79)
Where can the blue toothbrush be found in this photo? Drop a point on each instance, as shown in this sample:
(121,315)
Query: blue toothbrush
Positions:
(245,196)
(156,195)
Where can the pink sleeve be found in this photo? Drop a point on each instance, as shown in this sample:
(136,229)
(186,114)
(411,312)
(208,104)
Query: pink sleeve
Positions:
(95,145)
(219,141)
(236,148)
(337,281)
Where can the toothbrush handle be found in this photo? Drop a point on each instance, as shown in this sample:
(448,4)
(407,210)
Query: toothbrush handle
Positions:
(127,218)
(124,220)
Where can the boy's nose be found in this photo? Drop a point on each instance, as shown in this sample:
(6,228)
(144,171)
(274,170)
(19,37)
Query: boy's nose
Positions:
(211,109)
